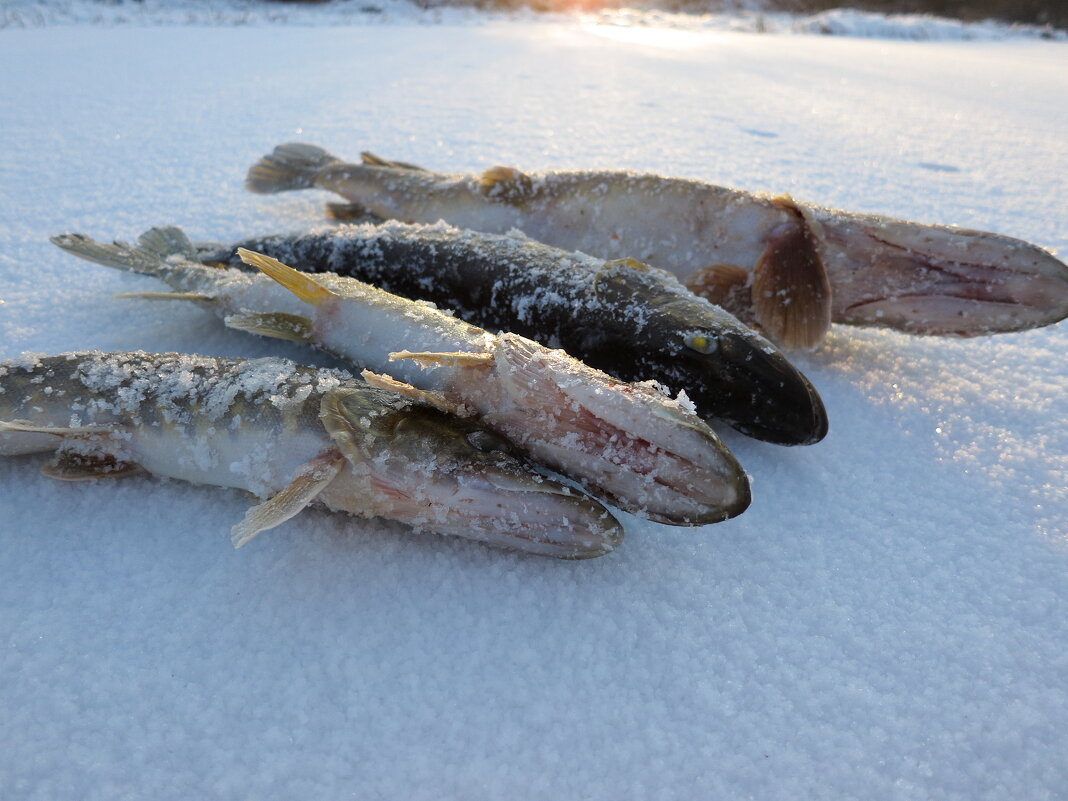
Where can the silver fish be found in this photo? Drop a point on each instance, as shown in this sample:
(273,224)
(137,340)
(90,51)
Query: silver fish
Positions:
(788,267)
(292,435)
(626,443)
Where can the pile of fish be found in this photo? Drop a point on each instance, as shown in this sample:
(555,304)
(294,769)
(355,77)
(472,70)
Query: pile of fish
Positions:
(498,351)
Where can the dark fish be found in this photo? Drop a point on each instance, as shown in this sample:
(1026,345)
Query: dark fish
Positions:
(632,321)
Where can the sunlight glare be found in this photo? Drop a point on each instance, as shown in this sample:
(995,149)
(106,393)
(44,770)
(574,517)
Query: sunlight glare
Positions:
(643,36)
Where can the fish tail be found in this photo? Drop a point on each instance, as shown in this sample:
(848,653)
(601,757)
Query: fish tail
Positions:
(290,166)
(153,248)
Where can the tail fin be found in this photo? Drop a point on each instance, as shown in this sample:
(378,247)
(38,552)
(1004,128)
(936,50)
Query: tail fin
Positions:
(154,247)
(290,166)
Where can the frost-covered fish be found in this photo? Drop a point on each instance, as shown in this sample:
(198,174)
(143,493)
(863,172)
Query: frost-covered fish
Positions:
(791,268)
(292,435)
(624,442)
(632,321)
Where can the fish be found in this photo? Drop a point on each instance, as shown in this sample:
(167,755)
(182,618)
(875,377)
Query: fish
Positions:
(291,435)
(633,321)
(788,267)
(624,443)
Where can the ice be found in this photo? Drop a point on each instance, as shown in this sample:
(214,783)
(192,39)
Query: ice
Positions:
(886,621)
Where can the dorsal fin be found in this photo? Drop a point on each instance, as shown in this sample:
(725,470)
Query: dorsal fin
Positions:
(506,184)
(166,241)
(370,159)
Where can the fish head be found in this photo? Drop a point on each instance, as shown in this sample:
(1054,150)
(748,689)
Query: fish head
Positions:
(728,370)
(933,279)
(647,453)
(437,471)
(734,374)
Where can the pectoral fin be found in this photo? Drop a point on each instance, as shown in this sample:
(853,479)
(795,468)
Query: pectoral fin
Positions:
(351,212)
(307,289)
(311,479)
(23,427)
(726,285)
(791,292)
(278,325)
(435,399)
(453,358)
(73,466)
(193,296)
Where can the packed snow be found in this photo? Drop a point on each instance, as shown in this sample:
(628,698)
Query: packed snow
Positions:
(888,620)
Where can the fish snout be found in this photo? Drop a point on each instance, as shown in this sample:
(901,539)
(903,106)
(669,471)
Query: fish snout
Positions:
(762,395)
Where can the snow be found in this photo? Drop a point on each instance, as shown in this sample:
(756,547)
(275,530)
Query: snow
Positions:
(888,619)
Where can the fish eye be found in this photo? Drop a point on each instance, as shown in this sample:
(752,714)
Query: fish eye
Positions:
(484,441)
(700,343)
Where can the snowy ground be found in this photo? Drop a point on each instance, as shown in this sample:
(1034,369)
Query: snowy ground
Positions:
(889,620)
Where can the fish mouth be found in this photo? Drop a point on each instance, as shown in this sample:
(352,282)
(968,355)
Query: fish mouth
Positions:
(938,279)
(762,395)
(440,473)
(505,507)
(626,443)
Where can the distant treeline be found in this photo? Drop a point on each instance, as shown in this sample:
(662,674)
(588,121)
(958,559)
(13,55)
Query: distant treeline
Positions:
(1034,12)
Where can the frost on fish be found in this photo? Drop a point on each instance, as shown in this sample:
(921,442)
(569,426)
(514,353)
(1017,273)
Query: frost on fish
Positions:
(623,442)
(630,320)
(291,435)
(855,269)
(607,431)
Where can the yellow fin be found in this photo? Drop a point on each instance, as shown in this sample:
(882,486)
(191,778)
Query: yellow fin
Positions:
(305,288)
(790,291)
(505,183)
(312,477)
(71,466)
(434,399)
(432,359)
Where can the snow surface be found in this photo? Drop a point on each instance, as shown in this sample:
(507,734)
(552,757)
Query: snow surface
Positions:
(889,620)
